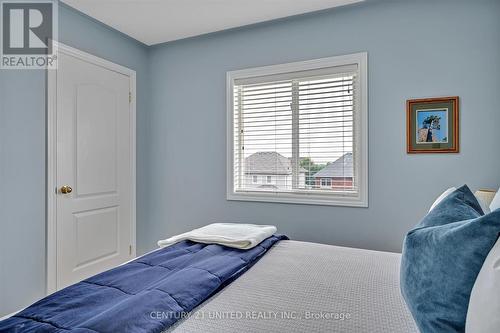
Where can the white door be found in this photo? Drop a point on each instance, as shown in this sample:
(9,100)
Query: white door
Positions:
(94,169)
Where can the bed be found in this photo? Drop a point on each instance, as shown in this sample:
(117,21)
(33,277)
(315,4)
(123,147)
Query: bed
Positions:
(308,287)
(277,286)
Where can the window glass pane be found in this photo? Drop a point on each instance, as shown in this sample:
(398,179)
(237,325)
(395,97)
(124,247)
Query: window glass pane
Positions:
(265,118)
(326,123)
(297,135)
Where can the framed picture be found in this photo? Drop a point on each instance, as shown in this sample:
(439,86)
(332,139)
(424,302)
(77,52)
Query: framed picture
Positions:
(432,125)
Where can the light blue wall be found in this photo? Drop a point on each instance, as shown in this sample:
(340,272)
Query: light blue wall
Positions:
(416,49)
(22,154)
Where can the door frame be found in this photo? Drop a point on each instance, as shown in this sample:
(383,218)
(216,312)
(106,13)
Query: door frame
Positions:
(51,148)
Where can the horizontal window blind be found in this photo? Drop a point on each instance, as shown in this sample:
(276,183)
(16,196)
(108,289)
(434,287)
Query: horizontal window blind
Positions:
(295,133)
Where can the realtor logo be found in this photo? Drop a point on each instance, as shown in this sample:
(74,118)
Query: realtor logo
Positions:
(28,31)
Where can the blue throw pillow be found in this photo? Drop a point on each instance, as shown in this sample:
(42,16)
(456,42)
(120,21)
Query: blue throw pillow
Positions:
(441,259)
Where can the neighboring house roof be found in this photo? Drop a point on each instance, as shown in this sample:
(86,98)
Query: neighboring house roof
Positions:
(341,168)
(269,163)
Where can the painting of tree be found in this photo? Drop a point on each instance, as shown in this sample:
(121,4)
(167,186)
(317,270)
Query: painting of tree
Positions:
(432,122)
(432,125)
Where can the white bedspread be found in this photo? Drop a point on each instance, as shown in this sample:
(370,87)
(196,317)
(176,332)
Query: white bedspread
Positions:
(308,287)
(237,235)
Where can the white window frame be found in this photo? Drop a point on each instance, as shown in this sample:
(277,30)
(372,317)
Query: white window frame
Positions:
(360,148)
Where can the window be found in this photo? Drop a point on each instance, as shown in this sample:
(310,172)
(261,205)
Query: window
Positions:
(303,124)
(254,179)
(326,182)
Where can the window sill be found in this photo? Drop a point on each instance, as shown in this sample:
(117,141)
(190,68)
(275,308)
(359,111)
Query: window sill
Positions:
(359,200)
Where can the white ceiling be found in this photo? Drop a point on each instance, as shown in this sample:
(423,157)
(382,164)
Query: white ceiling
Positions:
(158,21)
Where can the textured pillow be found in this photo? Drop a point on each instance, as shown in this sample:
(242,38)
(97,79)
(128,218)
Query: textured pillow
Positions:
(484,305)
(495,204)
(442,257)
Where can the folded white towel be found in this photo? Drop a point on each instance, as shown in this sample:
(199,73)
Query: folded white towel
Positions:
(240,236)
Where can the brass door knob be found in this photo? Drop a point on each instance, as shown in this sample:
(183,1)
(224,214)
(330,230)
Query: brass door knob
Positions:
(66,189)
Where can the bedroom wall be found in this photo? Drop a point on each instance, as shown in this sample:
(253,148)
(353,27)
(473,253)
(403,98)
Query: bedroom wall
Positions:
(416,49)
(22,154)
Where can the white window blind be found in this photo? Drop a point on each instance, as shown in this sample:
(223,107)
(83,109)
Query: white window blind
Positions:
(299,128)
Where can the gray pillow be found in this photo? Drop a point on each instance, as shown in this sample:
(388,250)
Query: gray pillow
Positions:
(484,305)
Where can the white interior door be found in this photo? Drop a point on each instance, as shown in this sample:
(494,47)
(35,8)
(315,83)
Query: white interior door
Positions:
(94,163)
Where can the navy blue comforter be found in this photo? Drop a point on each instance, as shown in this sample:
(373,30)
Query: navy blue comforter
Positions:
(146,295)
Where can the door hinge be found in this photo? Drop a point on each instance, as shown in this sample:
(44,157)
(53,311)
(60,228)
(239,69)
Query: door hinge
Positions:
(130,97)
(130,250)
